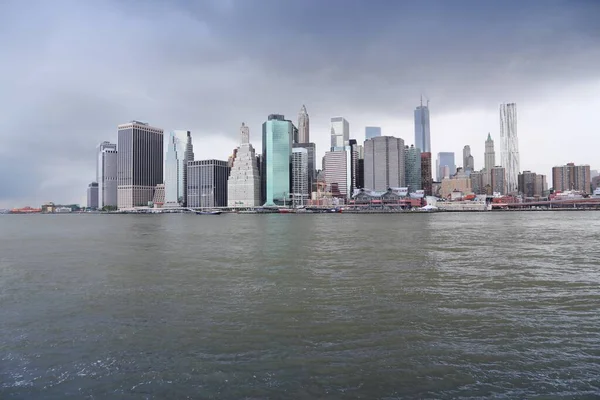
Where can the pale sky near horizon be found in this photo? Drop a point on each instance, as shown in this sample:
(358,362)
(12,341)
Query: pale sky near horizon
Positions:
(73,70)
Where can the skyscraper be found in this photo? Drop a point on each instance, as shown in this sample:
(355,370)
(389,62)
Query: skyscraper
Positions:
(92,195)
(312,172)
(426,180)
(490,154)
(445,163)
(106,174)
(207,183)
(384,163)
(510,145)
(175,169)
(422,135)
(243,185)
(139,163)
(338,172)
(468,162)
(277,135)
(499,180)
(412,168)
(300,191)
(340,133)
(372,131)
(303,126)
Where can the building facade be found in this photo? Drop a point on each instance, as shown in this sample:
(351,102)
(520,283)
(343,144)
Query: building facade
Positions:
(477,182)
(445,165)
(337,166)
(372,131)
(303,126)
(207,183)
(300,182)
(468,161)
(139,163)
(460,184)
(426,177)
(175,168)
(340,133)
(106,174)
(498,180)
(422,133)
(412,168)
(243,184)
(527,181)
(92,195)
(510,146)
(311,150)
(572,177)
(276,158)
(384,163)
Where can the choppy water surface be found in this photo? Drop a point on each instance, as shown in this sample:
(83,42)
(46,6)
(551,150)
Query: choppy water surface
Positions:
(494,305)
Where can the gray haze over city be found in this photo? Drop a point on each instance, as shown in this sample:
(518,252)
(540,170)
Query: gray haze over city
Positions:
(74,70)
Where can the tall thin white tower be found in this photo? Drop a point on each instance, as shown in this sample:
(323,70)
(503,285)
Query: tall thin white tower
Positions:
(303,126)
(510,145)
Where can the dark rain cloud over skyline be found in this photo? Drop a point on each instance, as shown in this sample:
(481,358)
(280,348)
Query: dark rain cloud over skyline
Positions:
(74,70)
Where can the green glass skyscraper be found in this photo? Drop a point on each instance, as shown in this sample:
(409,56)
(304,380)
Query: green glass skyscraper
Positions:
(275,167)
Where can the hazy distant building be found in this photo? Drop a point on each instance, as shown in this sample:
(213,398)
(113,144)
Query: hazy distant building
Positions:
(426,178)
(277,136)
(243,184)
(300,189)
(527,181)
(510,145)
(207,183)
(498,180)
(412,168)
(303,126)
(445,165)
(477,182)
(372,131)
(92,195)
(384,163)
(139,163)
(422,134)
(340,133)
(540,188)
(468,162)
(455,184)
(337,167)
(490,154)
(106,174)
(572,177)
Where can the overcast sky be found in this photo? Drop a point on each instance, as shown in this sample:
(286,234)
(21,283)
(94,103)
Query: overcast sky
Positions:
(71,71)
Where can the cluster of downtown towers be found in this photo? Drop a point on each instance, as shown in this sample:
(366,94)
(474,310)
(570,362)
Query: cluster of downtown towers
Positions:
(139,171)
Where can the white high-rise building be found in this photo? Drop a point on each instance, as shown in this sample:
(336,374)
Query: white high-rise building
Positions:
(300,189)
(175,169)
(243,185)
(340,133)
(338,172)
(106,175)
(510,146)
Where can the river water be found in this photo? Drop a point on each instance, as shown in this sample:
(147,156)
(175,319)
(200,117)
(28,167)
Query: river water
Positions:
(484,305)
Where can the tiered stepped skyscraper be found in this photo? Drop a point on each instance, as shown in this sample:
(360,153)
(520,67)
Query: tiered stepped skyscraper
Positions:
(243,185)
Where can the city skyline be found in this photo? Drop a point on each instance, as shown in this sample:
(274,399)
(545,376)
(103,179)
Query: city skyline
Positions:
(465,82)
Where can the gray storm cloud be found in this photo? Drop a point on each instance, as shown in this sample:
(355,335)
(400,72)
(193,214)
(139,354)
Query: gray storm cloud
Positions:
(77,69)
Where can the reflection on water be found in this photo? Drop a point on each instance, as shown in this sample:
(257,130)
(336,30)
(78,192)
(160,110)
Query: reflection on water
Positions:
(300,306)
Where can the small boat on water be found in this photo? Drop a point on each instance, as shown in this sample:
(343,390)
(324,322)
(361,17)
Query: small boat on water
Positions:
(211,212)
